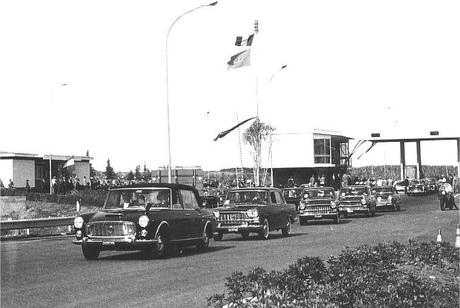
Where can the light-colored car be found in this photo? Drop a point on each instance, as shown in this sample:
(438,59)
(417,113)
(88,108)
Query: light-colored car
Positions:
(387,197)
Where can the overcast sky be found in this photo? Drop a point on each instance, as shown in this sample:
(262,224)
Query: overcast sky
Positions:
(91,75)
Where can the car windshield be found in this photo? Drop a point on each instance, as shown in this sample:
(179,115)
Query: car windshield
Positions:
(259,197)
(415,182)
(318,193)
(353,191)
(138,198)
(382,190)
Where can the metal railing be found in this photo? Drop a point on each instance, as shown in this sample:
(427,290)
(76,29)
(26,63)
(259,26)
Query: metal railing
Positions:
(36,223)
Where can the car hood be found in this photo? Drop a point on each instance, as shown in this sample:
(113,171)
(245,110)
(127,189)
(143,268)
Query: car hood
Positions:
(237,208)
(118,215)
(352,198)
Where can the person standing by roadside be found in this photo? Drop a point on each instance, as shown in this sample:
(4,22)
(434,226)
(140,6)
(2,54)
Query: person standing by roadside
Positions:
(406,185)
(27,185)
(344,180)
(10,184)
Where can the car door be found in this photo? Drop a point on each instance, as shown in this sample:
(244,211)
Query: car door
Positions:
(192,214)
(277,210)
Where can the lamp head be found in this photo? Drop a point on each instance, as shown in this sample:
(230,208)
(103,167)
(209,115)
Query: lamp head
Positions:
(212,4)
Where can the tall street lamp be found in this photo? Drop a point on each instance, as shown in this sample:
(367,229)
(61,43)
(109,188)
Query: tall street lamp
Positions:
(167,83)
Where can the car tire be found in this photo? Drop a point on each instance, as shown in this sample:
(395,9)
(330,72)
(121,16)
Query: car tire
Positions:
(442,205)
(245,235)
(159,249)
(218,236)
(264,234)
(204,243)
(90,252)
(302,221)
(286,231)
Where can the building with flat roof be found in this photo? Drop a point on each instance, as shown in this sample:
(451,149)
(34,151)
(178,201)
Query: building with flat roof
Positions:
(38,169)
(301,155)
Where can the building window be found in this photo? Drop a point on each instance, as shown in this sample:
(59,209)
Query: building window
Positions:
(322,150)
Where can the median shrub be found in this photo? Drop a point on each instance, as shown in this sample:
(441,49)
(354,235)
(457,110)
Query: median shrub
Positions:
(85,197)
(386,275)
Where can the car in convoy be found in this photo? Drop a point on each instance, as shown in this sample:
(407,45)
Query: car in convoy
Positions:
(318,203)
(292,195)
(147,217)
(417,187)
(387,197)
(255,210)
(399,186)
(356,199)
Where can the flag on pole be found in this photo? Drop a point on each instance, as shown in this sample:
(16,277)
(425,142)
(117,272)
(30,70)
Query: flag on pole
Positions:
(246,42)
(240,59)
(225,132)
(69,162)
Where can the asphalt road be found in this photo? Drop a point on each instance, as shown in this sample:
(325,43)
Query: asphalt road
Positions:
(52,272)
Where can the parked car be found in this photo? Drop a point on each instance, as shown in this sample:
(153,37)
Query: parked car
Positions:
(387,197)
(292,195)
(255,210)
(318,203)
(417,187)
(147,217)
(355,199)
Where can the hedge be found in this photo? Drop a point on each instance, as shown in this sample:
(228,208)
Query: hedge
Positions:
(386,275)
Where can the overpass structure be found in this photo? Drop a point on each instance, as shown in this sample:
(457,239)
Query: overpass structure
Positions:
(433,136)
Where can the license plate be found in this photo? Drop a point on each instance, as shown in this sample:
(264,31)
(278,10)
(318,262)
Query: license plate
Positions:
(108,243)
(232,229)
(349,211)
(318,216)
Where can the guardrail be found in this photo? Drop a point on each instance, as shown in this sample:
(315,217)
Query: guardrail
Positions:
(36,223)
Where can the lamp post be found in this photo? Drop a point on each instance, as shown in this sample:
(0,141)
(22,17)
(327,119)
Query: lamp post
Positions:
(167,82)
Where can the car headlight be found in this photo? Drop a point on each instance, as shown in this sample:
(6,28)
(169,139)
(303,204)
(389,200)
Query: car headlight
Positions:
(216,213)
(389,198)
(379,199)
(78,222)
(252,213)
(143,221)
(302,206)
(363,201)
(443,192)
(333,205)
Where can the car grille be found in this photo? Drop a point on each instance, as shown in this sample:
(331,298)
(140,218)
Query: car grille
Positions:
(111,228)
(350,203)
(238,216)
(319,209)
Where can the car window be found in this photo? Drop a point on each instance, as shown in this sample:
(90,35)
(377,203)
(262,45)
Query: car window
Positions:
(189,200)
(279,199)
(273,197)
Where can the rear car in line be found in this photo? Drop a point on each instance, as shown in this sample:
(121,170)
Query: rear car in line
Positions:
(387,197)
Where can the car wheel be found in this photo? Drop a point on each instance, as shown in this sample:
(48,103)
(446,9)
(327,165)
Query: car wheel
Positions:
(90,252)
(286,231)
(303,221)
(218,236)
(204,243)
(158,250)
(337,219)
(442,205)
(245,235)
(265,232)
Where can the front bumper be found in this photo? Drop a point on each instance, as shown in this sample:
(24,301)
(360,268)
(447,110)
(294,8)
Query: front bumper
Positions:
(115,243)
(353,209)
(416,192)
(313,215)
(238,227)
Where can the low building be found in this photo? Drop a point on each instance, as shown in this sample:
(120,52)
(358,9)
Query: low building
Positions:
(301,155)
(20,167)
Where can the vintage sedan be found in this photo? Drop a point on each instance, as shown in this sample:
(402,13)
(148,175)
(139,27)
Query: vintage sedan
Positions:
(318,203)
(356,199)
(387,197)
(417,187)
(147,217)
(255,210)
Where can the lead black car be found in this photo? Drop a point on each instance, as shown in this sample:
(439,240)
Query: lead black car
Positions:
(147,217)
(257,210)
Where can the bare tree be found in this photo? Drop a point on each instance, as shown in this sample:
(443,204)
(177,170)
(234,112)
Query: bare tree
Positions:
(255,136)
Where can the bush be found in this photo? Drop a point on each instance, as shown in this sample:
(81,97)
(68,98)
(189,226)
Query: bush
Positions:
(86,197)
(386,275)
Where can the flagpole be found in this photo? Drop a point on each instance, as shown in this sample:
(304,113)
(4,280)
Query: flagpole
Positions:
(51,185)
(167,82)
(256,31)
